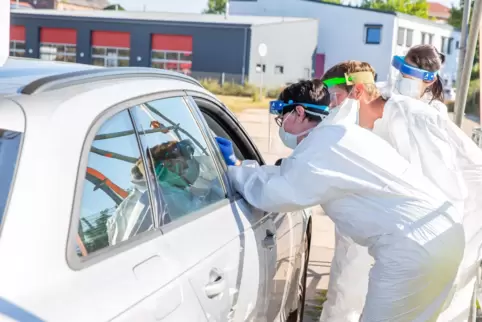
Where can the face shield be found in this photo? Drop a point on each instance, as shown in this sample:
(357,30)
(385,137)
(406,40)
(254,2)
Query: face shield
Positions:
(408,80)
(280,108)
(340,87)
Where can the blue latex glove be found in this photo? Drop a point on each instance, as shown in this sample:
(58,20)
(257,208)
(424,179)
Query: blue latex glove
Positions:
(227,151)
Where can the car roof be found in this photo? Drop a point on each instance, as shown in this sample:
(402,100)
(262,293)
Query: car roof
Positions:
(16,73)
(30,76)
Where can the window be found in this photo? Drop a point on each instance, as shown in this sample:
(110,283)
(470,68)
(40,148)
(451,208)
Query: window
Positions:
(457,44)
(58,52)
(17,48)
(449,45)
(180,176)
(114,206)
(409,41)
(401,36)
(185,172)
(9,148)
(258,68)
(427,38)
(58,44)
(444,45)
(173,52)
(373,34)
(179,61)
(110,56)
(278,69)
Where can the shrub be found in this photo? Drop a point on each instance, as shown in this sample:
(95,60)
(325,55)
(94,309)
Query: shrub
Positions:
(235,89)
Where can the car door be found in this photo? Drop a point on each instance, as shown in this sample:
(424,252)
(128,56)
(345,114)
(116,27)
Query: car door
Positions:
(252,297)
(279,235)
(196,216)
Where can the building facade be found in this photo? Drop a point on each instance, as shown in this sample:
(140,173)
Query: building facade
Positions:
(204,46)
(374,36)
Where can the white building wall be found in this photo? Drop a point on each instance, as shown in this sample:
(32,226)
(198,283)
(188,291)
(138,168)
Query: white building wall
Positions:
(419,26)
(341,33)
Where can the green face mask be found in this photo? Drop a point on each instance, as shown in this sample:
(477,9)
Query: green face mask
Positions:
(164,176)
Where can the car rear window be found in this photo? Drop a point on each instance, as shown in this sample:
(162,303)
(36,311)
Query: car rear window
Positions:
(9,149)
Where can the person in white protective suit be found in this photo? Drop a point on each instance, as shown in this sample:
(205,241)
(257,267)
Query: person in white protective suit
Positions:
(425,60)
(373,195)
(421,136)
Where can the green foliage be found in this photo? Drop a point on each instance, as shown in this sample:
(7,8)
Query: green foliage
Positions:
(117,7)
(216,7)
(417,8)
(95,236)
(234,89)
(332,1)
(473,99)
(456,14)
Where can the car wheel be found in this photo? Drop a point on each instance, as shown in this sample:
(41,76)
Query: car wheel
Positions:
(297,315)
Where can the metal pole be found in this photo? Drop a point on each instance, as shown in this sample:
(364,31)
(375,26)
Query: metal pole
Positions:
(463,87)
(480,75)
(262,80)
(463,50)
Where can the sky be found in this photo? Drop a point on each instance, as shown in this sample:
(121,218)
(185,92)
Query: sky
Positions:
(196,6)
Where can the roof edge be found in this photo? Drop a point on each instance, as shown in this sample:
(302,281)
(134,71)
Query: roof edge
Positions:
(393,13)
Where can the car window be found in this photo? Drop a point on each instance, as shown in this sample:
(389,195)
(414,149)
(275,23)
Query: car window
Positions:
(115,203)
(186,179)
(9,149)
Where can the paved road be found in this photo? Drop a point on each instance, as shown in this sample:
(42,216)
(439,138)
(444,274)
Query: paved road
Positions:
(265,136)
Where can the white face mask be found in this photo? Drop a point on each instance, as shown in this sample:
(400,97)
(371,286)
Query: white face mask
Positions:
(288,139)
(347,112)
(409,87)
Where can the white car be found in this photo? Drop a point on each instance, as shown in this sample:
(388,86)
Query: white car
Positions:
(115,204)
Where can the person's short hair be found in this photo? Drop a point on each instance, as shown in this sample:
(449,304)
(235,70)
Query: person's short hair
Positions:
(308,92)
(349,67)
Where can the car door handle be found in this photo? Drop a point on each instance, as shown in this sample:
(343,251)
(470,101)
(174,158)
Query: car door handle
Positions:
(270,240)
(216,285)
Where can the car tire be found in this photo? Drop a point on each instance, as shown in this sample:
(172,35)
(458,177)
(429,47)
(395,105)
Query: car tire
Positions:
(297,315)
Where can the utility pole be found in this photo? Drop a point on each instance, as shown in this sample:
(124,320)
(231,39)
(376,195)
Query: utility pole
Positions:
(463,48)
(463,87)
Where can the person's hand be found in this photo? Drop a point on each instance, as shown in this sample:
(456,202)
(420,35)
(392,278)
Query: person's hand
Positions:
(227,151)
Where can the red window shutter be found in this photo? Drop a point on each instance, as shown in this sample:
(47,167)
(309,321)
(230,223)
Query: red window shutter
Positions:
(171,42)
(17,33)
(111,39)
(58,36)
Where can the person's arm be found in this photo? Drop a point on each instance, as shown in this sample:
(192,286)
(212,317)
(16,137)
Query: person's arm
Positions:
(327,165)
(423,141)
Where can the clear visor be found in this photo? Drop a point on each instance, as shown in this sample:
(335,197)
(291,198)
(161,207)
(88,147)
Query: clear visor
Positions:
(337,87)
(400,70)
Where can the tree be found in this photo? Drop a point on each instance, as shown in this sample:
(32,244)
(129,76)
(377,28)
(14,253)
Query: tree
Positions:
(456,14)
(116,7)
(417,8)
(216,7)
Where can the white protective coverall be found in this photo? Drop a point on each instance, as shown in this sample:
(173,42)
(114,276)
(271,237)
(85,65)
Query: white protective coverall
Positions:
(460,180)
(412,128)
(381,202)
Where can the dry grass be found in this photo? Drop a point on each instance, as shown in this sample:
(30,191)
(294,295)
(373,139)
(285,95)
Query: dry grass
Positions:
(237,103)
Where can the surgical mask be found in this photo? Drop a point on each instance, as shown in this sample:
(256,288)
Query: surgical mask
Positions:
(346,112)
(409,87)
(288,139)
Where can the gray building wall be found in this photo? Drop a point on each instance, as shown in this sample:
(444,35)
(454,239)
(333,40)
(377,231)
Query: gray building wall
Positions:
(217,48)
(291,45)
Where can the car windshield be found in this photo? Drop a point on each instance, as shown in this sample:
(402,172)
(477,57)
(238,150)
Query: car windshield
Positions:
(9,149)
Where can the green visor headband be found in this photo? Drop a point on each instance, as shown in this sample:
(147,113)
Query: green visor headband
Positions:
(351,79)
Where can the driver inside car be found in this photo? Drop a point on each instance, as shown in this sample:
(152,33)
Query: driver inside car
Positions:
(176,172)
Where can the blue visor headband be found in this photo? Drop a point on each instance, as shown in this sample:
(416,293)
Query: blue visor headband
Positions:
(399,63)
(277,107)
